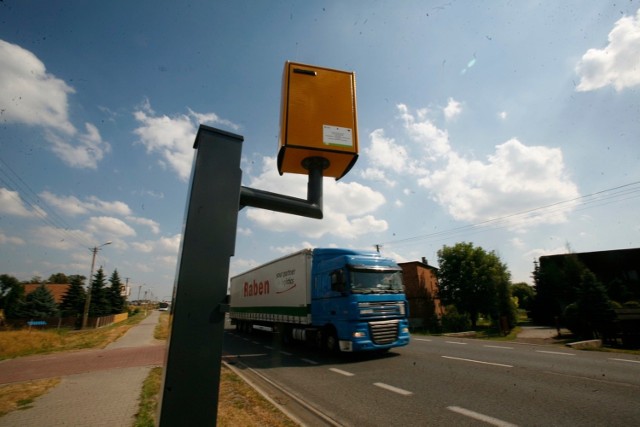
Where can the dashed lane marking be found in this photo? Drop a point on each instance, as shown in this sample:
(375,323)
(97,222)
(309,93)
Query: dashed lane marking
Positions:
(625,360)
(478,361)
(480,417)
(393,389)
(341,372)
(561,353)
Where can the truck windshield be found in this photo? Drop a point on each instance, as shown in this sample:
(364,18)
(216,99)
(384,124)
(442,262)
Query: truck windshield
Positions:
(376,281)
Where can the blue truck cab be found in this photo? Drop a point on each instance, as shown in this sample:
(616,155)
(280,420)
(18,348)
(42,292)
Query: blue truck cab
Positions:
(357,301)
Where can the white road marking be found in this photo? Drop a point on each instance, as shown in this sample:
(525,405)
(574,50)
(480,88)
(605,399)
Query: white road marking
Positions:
(309,361)
(268,347)
(499,346)
(480,417)
(421,339)
(341,372)
(286,353)
(625,360)
(393,389)
(555,352)
(456,342)
(478,361)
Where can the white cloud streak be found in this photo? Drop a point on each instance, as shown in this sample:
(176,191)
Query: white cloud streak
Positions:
(515,178)
(30,95)
(172,137)
(72,205)
(618,64)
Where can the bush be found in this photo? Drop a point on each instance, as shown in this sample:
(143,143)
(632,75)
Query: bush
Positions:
(453,321)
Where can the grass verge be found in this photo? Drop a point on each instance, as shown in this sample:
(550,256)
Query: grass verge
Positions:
(21,395)
(161,332)
(25,342)
(238,403)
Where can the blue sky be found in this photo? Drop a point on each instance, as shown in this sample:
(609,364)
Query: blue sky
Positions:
(512,125)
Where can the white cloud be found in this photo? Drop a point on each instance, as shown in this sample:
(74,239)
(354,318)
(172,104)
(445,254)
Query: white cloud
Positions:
(29,95)
(377,174)
(89,150)
(71,205)
(109,227)
(452,110)
(618,64)
(244,231)
(345,206)
(514,179)
(165,244)
(285,250)
(434,141)
(172,137)
(503,115)
(153,225)
(10,240)
(385,153)
(171,243)
(11,204)
(56,238)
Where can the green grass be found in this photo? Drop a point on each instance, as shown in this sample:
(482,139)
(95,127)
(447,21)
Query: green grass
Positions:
(28,342)
(149,396)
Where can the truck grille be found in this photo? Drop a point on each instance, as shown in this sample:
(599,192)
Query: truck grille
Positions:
(384,332)
(381,309)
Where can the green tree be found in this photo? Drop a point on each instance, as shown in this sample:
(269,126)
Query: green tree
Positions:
(453,321)
(475,281)
(73,300)
(116,299)
(40,304)
(11,296)
(594,306)
(525,295)
(58,278)
(99,305)
(557,281)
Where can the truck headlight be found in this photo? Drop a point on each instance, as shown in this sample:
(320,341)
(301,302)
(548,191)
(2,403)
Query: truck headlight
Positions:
(359,334)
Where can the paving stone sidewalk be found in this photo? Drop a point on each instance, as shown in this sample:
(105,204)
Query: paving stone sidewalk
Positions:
(98,387)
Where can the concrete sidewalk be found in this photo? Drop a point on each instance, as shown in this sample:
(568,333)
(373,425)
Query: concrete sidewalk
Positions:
(98,387)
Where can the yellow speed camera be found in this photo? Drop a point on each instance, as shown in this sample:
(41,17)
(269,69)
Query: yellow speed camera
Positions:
(317,119)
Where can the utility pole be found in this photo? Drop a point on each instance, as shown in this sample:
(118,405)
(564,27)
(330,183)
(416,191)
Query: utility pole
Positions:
(87,301)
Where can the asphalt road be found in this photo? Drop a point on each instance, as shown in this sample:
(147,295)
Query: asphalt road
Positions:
(453,381)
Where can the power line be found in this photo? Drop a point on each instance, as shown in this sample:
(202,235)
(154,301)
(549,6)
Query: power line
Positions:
(596,199)
(38,207)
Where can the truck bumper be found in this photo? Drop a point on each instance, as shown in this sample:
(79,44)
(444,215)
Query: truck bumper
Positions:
(362,339)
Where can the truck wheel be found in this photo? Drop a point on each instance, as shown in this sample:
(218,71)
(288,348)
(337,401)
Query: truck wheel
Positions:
(331,341)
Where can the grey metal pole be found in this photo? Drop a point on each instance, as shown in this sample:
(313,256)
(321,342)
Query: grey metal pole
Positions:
(192,369)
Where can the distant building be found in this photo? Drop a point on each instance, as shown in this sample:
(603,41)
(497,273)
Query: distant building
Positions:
(618,264)
(57,290)
(559,279)
(421,288)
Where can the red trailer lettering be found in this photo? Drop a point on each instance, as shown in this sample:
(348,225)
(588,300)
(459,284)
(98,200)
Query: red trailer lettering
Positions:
(255,288)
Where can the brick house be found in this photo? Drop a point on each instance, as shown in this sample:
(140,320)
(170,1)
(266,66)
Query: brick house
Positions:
(57,290)
(421,285)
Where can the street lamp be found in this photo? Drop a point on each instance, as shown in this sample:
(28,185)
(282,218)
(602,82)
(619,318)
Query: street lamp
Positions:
(87,301)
